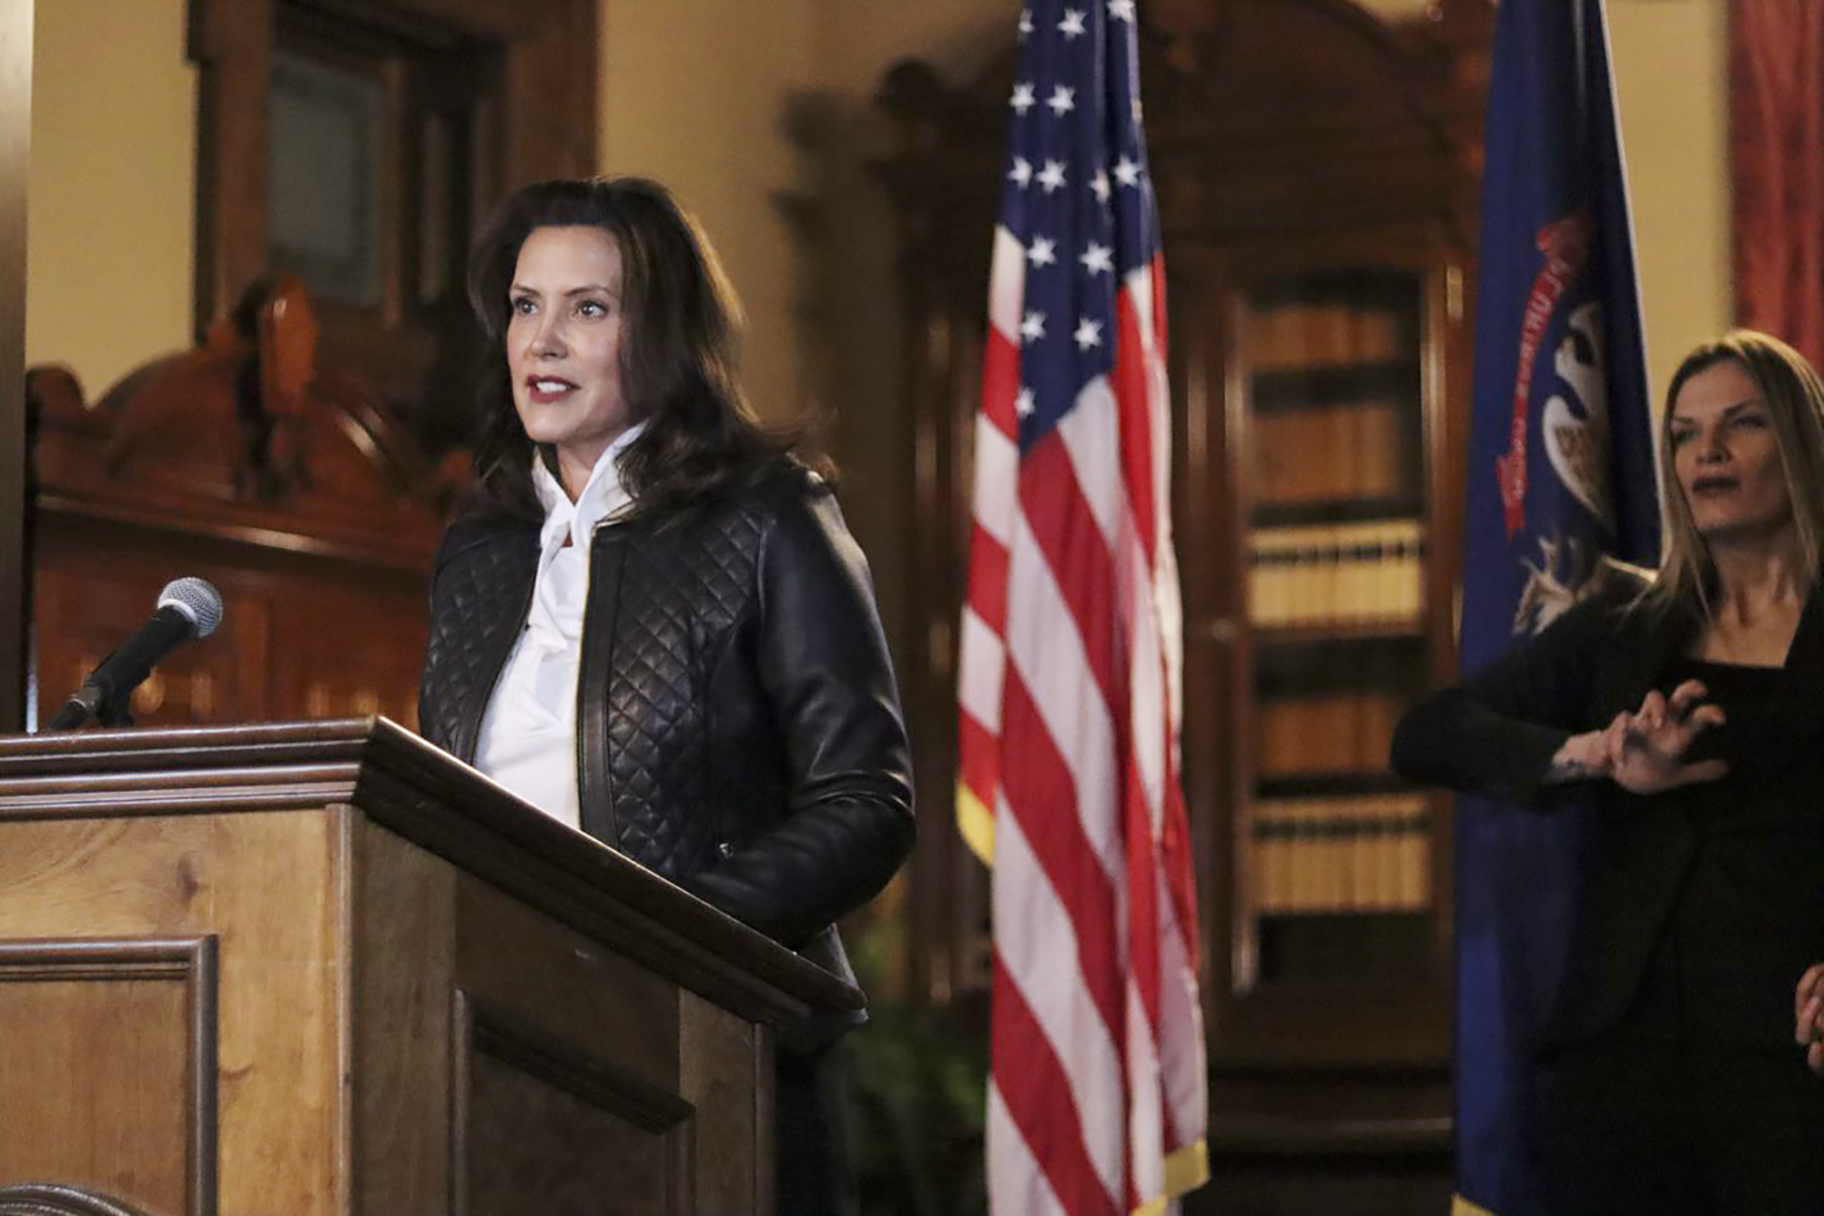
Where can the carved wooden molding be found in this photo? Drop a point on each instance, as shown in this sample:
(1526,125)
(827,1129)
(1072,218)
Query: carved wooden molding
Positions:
(49,1199)
(187,961)
(411,788)
(248,438)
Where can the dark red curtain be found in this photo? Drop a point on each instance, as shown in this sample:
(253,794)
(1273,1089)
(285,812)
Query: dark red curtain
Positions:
(1776,97)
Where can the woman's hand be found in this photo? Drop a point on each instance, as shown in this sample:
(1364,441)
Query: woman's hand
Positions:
(1808,1016)
(1643,752)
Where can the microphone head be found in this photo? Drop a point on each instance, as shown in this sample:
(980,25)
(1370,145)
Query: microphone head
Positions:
(197,599)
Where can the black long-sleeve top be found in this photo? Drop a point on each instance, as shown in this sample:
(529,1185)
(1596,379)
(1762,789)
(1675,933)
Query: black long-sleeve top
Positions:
(1703,905)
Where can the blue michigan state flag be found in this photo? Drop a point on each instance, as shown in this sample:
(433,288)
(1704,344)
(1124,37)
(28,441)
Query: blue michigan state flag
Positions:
(1560,473)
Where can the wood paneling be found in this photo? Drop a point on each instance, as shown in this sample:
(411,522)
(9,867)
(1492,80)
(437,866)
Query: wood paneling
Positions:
(429,998)
(544,1125)
(727,1075)
(403,971)
(247,463)
(140,1124)
(277,1065)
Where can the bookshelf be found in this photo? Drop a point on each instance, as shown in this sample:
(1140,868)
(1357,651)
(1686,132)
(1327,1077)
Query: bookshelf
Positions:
(1331,370)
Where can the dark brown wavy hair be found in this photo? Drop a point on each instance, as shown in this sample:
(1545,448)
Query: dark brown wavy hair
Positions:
(677,350)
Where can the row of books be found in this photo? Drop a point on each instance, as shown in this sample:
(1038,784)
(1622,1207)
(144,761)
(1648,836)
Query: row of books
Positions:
(1331,731)
(1320,453)
(1329,574)
(1358,853)
(1330,332)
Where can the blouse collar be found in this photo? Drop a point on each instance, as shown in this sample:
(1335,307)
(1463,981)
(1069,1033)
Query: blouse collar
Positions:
(603,494)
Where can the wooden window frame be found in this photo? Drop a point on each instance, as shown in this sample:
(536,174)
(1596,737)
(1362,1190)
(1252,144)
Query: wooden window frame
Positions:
(548,127)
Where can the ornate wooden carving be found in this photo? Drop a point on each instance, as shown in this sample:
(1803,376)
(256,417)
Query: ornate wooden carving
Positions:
(249,462)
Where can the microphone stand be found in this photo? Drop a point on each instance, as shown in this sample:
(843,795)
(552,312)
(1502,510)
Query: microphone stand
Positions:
(110,708)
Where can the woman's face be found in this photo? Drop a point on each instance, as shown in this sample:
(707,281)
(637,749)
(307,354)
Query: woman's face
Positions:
(564,345)
(1727,456)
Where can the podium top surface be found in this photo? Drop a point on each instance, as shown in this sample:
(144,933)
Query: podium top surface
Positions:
(426,796)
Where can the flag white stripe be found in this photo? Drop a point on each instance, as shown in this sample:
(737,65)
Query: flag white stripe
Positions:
(1181,1033)
(1091,433)
(1046,649)
(1016,1183)
(1146,680)
(1042,960)
(1145,1119)
(997,480)
(1168,608)
(984,665)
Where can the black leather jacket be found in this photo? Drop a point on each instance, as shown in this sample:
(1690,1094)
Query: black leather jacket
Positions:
(738,725)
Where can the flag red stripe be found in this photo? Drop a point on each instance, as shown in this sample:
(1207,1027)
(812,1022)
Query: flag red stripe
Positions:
(1158,278)
(1066,531)
(1133,398)
(1142,899)
(1175,854)
(1041,1103)
(1097,1036)
(988,579)
(1001,382)
(1036,782)
(978,759)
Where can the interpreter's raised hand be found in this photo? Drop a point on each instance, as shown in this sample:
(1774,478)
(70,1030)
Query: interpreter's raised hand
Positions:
(1808,1016)
(1645,750)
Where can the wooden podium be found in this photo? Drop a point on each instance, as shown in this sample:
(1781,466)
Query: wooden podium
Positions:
(316,968)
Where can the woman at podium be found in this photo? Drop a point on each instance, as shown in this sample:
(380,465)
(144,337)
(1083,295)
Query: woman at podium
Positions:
(652,622)
(1684,713)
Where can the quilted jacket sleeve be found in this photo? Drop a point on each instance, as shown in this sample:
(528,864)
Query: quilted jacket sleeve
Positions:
(823,662)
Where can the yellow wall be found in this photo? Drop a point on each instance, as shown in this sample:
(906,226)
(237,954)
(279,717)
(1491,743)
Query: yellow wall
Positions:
(693,92)
(111,196)
(1671,64)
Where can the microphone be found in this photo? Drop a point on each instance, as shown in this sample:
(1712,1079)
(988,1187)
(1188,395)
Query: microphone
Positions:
(187,608)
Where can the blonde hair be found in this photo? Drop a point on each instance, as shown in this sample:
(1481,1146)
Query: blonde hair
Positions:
(1794,397)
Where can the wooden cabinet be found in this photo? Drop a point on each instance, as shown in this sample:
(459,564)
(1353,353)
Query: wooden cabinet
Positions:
(1316,170)
(285,484)
(1337,858)
(1323,382)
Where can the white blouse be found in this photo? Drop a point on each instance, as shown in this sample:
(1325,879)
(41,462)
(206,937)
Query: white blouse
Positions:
(528,734)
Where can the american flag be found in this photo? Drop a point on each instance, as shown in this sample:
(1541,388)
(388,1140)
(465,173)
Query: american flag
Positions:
(1070,655)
